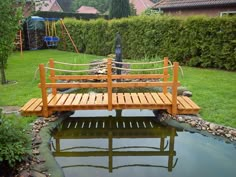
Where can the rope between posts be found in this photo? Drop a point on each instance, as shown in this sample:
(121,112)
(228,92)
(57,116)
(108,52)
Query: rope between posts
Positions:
(72,71)
(153,69)
(88,64)
(154,62)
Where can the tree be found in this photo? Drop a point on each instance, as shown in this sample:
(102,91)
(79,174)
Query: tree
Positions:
(101,5)
(119,8)
(10,14)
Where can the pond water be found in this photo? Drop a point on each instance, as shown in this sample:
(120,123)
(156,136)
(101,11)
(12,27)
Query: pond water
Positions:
(134,143)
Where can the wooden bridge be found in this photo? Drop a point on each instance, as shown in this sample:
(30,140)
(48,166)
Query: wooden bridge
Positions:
(56,101)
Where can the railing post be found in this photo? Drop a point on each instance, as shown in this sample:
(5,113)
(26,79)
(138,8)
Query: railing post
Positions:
(174,88)
(109,83)
(43,90)
(165,72)
(52,75)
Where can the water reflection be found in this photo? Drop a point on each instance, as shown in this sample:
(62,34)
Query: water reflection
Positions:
(112,129)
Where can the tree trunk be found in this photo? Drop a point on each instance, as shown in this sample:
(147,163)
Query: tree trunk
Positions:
(3,75)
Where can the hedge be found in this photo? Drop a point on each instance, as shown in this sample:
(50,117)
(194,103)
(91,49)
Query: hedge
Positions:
(194,41)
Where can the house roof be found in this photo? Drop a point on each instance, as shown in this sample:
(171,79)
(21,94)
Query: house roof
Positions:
(48,5)
(175,4)
(87,10)
(141,5)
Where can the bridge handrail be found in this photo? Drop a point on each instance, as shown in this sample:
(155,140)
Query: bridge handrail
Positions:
(109,84)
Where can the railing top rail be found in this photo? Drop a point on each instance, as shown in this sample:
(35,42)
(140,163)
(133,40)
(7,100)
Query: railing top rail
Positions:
(84,64)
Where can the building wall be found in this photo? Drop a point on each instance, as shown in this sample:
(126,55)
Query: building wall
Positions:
(200,11)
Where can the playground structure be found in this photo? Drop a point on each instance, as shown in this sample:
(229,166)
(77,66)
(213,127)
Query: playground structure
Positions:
(167,99)
(40,32)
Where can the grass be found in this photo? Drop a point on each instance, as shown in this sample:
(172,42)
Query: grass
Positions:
(213,90)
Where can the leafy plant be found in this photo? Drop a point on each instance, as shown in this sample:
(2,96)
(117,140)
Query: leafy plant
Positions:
(15,142)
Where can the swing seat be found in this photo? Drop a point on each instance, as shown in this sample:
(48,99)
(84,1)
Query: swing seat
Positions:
(51,41)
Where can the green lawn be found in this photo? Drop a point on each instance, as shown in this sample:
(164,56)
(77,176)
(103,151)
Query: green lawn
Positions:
(213,90)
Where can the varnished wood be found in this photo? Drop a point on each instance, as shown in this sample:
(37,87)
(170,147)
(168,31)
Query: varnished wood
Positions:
(109,100)
(165,73)
(52,75)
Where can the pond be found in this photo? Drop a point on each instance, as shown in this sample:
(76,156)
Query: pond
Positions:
(135,143)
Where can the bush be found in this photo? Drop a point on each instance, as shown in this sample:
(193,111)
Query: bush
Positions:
(15,142)
(195,41)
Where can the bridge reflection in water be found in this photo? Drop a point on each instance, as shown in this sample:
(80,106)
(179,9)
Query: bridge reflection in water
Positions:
(112,128)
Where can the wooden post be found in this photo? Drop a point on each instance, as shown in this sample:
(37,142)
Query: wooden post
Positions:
(165,72)
(109,83)
(43,90)
(174,88)
(67,32)
(52,76)
(63,36)
(171,149)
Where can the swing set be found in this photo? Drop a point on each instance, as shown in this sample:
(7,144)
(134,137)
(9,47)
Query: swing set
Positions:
(51,39)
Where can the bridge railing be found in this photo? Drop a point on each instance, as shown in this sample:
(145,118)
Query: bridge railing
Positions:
(108,80)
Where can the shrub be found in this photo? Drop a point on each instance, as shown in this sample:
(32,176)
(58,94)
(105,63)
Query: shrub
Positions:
(15,142)
(195,41)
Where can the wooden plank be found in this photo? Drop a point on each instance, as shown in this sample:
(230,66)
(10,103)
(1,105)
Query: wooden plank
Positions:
(190,102)
(80,77)
(184,103)
(28,104)
(99,98)
(34,105)
(114,99)
(84,99)
(164,98)
(139,76)
(180,106)
(128,100)
(50,97)
(77,99)
(91,100)
(75,85)
(120,99)
(70,99)
(55,100)
(62,100)
(157,99)
(105,98)
(142,84)
(135,99)
(149,98)
(142,98)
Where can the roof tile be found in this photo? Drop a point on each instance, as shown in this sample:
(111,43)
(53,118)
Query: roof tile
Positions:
(191,3)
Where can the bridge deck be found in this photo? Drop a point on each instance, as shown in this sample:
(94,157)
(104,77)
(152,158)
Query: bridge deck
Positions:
(96,101)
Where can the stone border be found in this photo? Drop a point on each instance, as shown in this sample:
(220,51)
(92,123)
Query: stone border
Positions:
(42,163)
(196,124)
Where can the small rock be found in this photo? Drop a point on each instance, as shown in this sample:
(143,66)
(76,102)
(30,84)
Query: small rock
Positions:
(213,126)
(233,132)
(203,128)
(181,119)
(220,131)
(207,123)
(199,128)
(228,135)
(193,123)
(37,174)
(35,152)
(24,173)
(187,93)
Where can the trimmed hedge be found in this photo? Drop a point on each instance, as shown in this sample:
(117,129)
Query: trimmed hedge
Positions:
(194,41)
